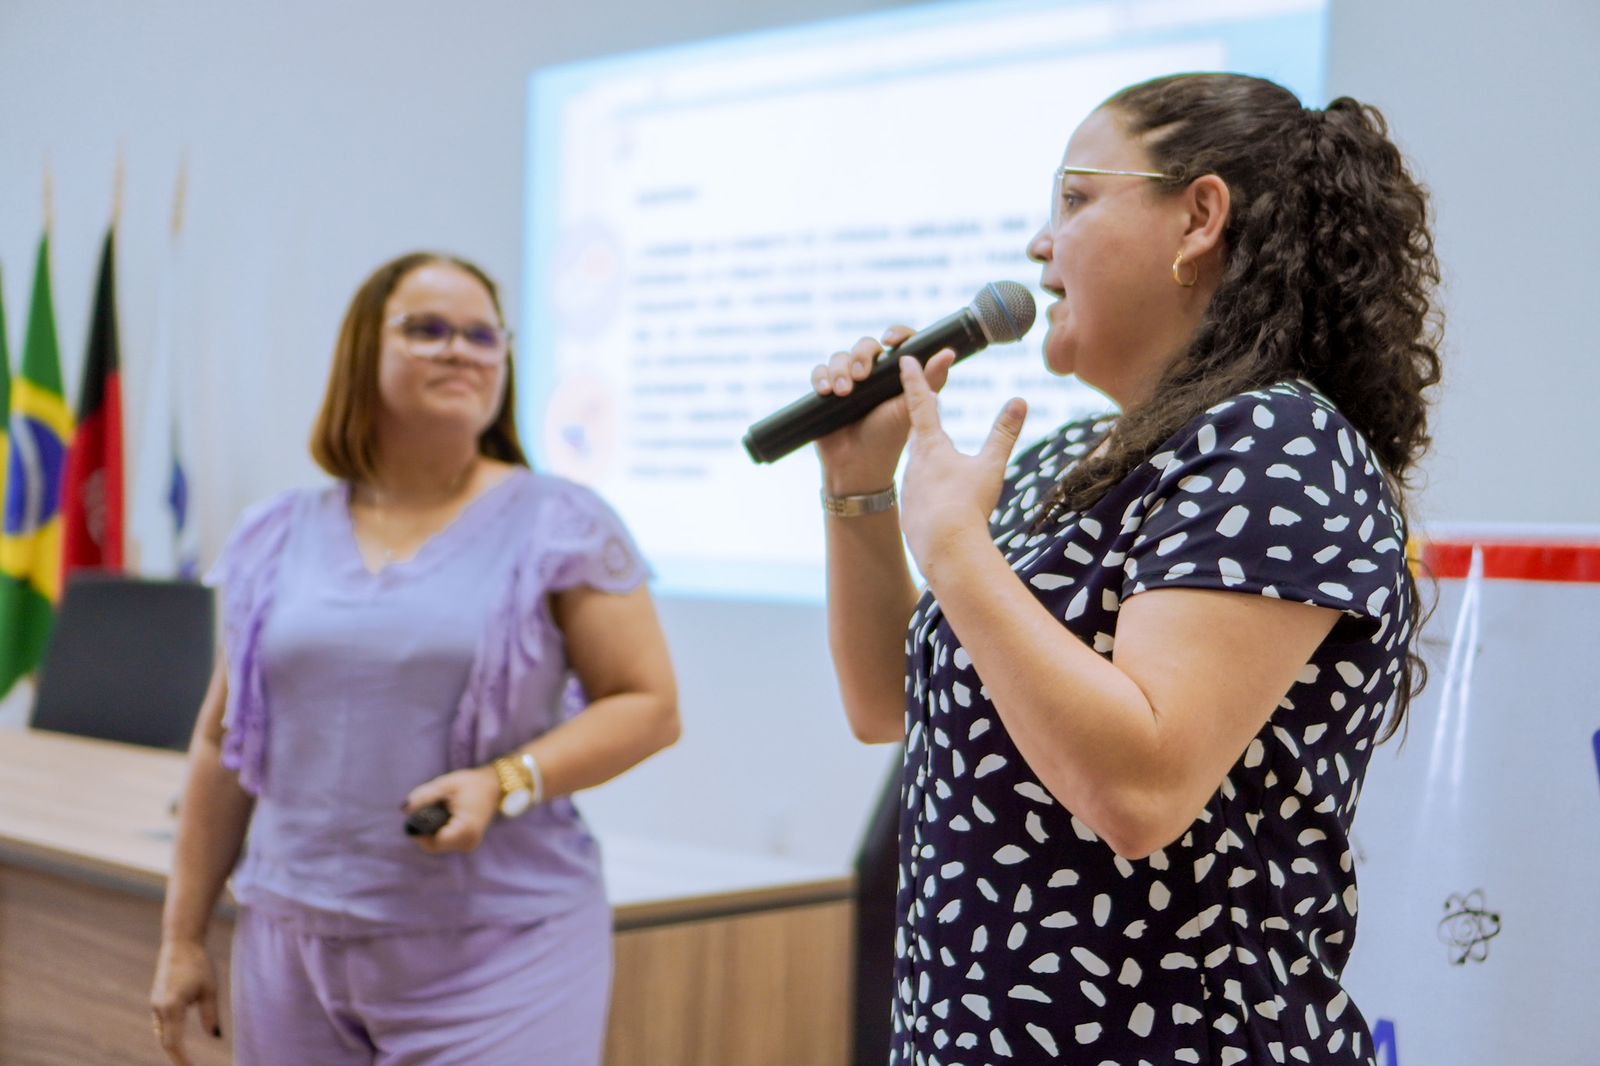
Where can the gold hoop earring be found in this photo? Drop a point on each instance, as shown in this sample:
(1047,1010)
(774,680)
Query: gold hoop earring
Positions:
(1177,272)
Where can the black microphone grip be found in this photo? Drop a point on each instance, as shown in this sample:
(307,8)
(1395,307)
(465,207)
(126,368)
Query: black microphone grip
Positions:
(812,417)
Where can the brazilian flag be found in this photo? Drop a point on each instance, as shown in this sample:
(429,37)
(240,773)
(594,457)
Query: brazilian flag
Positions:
(30,543)
(5,403)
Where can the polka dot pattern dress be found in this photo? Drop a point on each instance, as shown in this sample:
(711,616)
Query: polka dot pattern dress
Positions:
(1023,937)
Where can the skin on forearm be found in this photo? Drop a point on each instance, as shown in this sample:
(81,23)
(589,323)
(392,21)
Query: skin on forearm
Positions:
(611,736)
(212,817)
(620,657)
(871,596)
(870,601)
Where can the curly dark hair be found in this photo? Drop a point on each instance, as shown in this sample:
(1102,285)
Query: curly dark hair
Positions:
(1329,275)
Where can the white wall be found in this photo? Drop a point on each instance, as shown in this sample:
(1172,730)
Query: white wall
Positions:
(1495,104)
(324,138)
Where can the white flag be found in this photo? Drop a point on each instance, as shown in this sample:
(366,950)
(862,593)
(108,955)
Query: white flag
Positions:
(163,522)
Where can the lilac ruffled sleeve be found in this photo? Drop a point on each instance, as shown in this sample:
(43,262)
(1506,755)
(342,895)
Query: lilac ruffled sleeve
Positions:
(585,543)
(247,574)
(573,539)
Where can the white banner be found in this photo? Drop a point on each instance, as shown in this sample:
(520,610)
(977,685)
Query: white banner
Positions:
(1478,840)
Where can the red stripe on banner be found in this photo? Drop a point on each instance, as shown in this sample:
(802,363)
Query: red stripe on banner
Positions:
(1530,561)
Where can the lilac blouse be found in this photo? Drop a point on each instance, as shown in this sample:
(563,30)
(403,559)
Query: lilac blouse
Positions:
(347,689)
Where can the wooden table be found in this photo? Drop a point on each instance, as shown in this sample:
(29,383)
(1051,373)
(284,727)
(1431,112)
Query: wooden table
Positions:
(720,958)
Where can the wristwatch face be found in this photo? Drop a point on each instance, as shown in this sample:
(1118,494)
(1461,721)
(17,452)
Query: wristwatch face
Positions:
(514,803)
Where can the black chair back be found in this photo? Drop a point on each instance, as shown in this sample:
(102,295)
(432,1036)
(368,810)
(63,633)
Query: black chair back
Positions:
(877,877)
(129,660)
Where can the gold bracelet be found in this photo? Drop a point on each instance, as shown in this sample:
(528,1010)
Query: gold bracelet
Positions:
(515,796)
(855,506)
(532,775)
(511,779)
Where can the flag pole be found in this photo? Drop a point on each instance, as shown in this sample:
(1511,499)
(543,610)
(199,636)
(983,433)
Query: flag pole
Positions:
(180,194)
(119,181)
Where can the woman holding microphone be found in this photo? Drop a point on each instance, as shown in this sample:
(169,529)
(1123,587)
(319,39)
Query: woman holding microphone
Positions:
(1139,691)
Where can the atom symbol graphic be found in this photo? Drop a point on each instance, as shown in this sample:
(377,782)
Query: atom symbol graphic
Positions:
(1467,928)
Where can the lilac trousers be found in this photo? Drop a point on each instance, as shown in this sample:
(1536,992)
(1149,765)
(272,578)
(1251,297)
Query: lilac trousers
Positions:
(514,995)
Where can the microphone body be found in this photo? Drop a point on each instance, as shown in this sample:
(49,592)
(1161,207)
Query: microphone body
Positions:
(1002,312)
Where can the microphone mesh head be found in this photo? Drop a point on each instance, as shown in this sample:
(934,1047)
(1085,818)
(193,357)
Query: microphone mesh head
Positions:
(1005,311)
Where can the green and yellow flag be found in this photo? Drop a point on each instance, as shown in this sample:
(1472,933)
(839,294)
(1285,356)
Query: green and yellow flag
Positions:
(5,402)
(30,543)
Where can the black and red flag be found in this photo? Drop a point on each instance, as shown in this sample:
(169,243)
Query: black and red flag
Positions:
(92,509)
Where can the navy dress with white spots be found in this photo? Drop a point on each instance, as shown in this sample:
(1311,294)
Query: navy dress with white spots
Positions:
(1023,937)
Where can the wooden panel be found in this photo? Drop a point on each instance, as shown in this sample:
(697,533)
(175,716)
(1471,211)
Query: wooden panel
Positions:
(122,827)
(722,960)
(767,989)
(76,961)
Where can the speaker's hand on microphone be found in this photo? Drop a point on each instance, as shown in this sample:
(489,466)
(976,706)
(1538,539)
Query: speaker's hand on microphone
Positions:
(946,496)
(862,456)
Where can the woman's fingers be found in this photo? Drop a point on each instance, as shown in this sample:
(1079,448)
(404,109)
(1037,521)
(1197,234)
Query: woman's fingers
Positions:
(473,797)
(427,793)
(821,379)
(1002,439)
(838,376)
(184,978)
(462,833)
(897,335)
(921,404)
(937,369)
(854,365)
(169,1033)
(210,1017)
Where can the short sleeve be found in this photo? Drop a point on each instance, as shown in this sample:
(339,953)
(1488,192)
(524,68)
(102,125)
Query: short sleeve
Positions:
(247,573)
(582,542)
(576,540)
(254,541)
(1274,493)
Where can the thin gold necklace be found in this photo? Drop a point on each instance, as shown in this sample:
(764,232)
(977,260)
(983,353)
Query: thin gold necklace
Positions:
(380,509)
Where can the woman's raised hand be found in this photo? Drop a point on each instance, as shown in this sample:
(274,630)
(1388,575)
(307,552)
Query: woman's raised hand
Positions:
(862,457)
(947,493)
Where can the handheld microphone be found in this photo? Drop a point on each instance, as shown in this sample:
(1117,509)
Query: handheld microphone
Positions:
(1001,313)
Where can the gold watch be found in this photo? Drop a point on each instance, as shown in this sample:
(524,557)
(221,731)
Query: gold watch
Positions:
(515,795)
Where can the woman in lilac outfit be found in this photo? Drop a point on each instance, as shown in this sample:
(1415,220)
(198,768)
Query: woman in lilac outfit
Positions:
(399,640)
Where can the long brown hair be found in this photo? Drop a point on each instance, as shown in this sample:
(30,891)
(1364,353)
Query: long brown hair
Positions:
(344,440)
(1329,275)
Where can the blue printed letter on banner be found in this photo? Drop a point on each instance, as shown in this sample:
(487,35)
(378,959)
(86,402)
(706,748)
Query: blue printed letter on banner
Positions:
(1385,1049)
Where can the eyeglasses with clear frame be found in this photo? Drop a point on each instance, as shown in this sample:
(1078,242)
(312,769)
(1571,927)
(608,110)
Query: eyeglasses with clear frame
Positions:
(429,336)
(1062,172)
